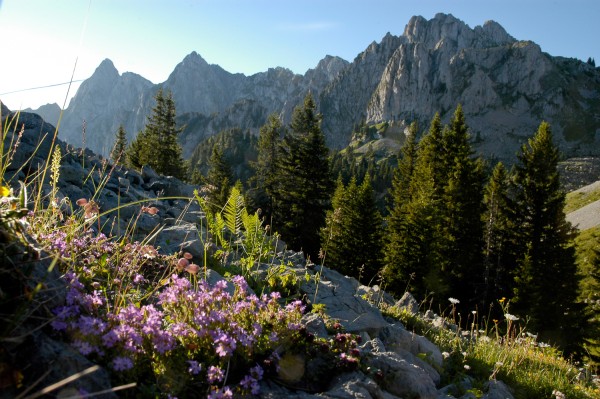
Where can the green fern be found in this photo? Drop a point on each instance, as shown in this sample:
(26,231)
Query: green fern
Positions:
(232,212)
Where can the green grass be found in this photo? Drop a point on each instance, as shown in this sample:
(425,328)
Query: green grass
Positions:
(489,352)
(576,200)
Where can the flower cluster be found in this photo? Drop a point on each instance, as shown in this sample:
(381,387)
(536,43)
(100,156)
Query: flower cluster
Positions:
(195,329)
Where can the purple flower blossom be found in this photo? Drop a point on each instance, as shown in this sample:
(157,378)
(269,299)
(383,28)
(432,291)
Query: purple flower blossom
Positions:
(83,347)
(138,279)
(110,339)
(257,372)
(224,345)
(215,374)
(122,363)
(241,283)
(222,393)
(163,342)
(59,325)
(194,368)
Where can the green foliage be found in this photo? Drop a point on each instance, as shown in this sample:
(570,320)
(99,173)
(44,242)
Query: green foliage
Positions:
(238,147)
(546,279)
(264,180)
(588,263)
(504,350)
(352,236)
(578,199)
(303,185)
(500,251)
(218,181)
(435,228)
(157,144)
(238,232)
(117,155)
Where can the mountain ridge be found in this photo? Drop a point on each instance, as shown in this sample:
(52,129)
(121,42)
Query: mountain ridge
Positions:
(506,87)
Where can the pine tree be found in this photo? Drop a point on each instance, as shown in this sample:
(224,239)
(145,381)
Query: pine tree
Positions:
(218,180)
(303,185)
(499,249)
(118,153)
(367,229)
(133,153)
(435,227)
(462,208)
(546,279)
(401,245)
(264,179)
(352,236)
(157,146)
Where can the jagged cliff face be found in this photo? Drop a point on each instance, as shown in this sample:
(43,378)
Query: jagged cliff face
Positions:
(506,87)
(103,102)
(208,99)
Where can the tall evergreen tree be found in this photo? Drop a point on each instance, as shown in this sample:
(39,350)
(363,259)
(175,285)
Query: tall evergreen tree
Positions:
(368,230)
(117,155)
(303,185)
(218,181)
(462,209)
(264,179)
(157,146)
(546,280)
(435,231)
(402,243)
(352,236)
(499,250)
(134,152)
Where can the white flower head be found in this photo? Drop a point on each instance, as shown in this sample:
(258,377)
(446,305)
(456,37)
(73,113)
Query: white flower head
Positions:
(454,301)
(511,317)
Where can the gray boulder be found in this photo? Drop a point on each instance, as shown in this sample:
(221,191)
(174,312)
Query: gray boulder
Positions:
(400,377)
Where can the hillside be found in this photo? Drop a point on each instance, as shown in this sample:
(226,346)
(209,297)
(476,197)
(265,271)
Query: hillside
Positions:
(164,304)
(506,87)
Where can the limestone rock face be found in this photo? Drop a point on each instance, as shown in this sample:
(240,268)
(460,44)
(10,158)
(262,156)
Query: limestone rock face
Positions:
(208,99)
(506,87)
(103,102)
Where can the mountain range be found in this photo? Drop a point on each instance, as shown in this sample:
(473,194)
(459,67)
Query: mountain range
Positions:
(506,88)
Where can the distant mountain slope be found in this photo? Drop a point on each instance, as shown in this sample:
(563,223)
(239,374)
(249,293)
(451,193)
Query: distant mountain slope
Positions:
(506,87)
(207,98)
(49,112)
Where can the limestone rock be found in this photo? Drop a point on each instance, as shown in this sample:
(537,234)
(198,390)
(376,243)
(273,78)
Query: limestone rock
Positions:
(402,378)
(337,293)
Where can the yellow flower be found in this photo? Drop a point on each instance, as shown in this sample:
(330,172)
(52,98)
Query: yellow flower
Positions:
(4,191)
(502,300)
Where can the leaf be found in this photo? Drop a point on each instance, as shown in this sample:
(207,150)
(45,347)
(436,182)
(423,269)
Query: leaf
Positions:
(232,213)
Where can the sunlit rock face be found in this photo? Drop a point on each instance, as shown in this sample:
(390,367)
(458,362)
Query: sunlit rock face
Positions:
(505,86)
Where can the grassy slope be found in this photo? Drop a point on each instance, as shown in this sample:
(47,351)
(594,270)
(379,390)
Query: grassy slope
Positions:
(580,198)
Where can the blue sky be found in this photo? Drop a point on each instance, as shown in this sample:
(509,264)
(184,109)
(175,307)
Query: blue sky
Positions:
(42,38)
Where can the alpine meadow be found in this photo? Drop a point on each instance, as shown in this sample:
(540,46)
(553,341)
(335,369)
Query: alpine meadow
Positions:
(420,222)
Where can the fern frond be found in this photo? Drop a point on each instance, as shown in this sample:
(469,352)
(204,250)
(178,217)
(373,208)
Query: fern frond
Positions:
(232,212)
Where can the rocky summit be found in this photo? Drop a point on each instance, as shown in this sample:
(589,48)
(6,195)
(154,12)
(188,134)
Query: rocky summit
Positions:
(506,87)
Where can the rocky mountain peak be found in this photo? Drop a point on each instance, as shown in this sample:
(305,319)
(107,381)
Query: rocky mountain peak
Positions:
(506,88)
(327,69)
(192,60)
(106,71)
(495,32)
